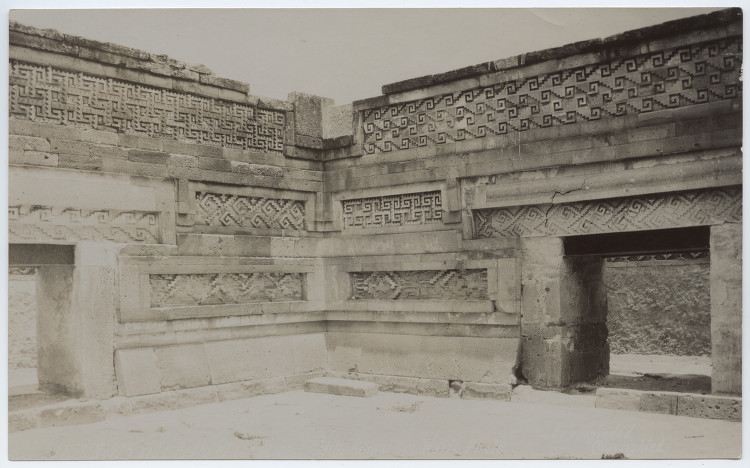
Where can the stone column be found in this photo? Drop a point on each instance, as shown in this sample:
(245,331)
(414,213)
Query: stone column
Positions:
(75,323)
(726,308)
(563,315)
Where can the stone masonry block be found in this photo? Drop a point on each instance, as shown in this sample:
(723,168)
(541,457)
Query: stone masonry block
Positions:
(137,372)
(478,390)
(308,111)
(237,360)
(251,388)
(28,143)
(344,387)
(709,406)
(433,387)
(652,402)
(183,366)
(33,158)
(613,398)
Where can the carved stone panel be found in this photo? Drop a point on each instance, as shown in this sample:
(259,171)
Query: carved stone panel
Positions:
(231,210)
(35,223)
(426,284)
(224,288)
(658,211)
(48,94)
(393,210)
(666,79)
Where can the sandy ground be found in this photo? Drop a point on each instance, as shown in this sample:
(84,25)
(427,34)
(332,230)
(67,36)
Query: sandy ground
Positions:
(307,425)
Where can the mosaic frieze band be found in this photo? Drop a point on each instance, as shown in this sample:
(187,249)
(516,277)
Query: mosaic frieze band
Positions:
(659,211)
(393,210)
(229,210)
(427,284)
(667,79)
(37,223)
(48,94)
(703,254)
(224,288)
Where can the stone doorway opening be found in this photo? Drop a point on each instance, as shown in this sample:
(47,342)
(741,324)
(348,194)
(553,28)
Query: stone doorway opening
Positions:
(658,317)
(31,321)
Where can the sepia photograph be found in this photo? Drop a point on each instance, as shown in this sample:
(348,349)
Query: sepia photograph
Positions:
(481,233)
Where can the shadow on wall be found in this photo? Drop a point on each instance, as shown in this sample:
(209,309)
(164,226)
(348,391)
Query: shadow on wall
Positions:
(21,319)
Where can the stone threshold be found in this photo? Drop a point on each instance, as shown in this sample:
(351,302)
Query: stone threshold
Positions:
(693,405)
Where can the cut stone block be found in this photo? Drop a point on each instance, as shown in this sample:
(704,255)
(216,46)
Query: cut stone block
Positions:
(710,406)
(341,387)
(481,391)
(652,402)
(620,399)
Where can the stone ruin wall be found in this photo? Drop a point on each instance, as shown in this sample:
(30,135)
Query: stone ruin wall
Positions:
(387,239)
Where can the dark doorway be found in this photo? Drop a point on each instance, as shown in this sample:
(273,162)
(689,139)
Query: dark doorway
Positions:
(658,307)
(25,321)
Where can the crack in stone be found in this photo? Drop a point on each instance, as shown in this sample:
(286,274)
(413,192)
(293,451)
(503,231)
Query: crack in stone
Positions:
(564,192)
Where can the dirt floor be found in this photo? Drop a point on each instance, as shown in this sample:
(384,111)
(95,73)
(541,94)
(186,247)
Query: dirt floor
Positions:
(690,374)
(298,425)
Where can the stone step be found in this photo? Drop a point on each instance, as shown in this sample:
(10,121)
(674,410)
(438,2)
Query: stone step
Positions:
(29,396)
(334,386)
(693,405)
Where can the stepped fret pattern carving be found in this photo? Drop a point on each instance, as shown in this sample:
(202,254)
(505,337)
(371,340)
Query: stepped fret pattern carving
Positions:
(48,94)
(426,284)
(37,223)
(224,288)
(668,79)
(659,211)
(393,210)
(664,256)
(224,209)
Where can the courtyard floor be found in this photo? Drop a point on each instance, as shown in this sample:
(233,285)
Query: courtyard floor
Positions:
(299,425)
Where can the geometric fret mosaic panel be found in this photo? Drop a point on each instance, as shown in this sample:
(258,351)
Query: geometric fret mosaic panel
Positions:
(393,210)
(645,212)
(52,95)
(425,284)
(667,79)
(697,255)
(229,210)
(224,288)
(35,223)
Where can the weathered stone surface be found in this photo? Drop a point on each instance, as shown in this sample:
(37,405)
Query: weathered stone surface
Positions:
(83,413)
(137,371)
(652,402)
(251,388)
(182,366)
(478,390)
(726,308)
(713,407)
(658,306)
(620,399)
(344,387)
(22,421)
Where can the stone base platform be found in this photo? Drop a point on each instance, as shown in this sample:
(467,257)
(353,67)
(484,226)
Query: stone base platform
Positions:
(680,404)
(343,387)
(72,412)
